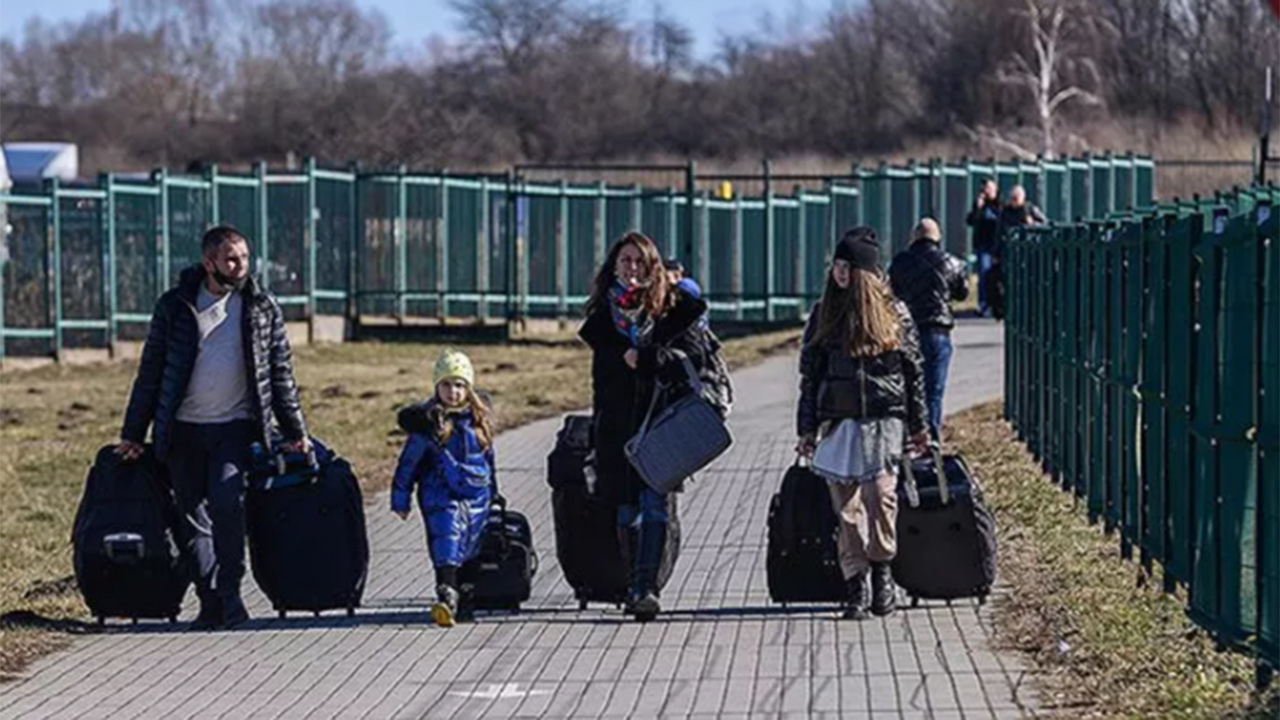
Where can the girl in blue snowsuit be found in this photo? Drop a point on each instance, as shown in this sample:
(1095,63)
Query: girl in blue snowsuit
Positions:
(449,457)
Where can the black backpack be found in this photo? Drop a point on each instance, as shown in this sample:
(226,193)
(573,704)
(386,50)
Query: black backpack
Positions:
(803,563)
(125,540)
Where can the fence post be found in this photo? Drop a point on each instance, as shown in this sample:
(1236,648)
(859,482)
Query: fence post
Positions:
(211,177)
(109,271)
(161,178)
(601,245)
(703,268)
(53,294)
(483,230)
(442,250)
(735,283)
(637,210)
(562,251)
(801,254)
(355,248)
(400,237)
(769,240)
(311,242)
(264,224)
(691,225)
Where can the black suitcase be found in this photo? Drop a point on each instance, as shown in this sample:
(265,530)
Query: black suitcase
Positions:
(500,576)
(125,548)
(803,562)
(307,542)
(946,541)
(586,527)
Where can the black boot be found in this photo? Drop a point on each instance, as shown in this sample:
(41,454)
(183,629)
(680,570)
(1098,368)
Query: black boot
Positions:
(210,617)
(233,611)
(855,604)
(884,594)
(649,542)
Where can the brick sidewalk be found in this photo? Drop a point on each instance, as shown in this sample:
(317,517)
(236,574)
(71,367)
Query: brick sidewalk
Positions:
(720,649)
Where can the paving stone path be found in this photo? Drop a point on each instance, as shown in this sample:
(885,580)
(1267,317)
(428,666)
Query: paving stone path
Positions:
(720,649)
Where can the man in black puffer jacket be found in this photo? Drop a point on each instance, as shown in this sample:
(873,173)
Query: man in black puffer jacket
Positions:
(215,367)
(928,279)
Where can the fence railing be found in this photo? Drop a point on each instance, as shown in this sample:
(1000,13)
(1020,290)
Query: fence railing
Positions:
(86,264)
(1144,372)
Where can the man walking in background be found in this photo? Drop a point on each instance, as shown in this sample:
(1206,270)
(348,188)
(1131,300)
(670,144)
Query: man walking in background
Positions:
(984,218)
(1017,211)
(928,279)
(215,367)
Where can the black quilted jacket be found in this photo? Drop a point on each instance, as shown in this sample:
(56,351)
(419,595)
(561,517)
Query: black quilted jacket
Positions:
(837,386)
(928,279)
(169,356)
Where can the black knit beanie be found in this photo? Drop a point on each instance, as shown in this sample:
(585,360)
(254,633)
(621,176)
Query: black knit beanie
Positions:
(859,248)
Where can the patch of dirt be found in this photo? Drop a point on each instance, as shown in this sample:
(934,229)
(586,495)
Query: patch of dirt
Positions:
(370,394)
(335,391)
(505,367)
(11,416)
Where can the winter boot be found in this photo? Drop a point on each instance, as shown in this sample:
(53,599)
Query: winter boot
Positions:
(855,604)
(648,542)
(884,594)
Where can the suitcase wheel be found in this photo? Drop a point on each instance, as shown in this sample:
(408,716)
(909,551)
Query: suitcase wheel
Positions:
(315,613)
(582,605)
(351,611)
(915,601)
(982,599)
(173,619)
(102,620)
(281,614)
(133,621)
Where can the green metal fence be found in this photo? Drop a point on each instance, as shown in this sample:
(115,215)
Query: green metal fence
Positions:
(87,263)
(1144,372)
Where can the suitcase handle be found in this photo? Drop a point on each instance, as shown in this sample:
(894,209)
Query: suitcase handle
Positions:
(909,479)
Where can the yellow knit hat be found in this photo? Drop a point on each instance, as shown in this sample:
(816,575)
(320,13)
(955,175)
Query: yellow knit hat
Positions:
(453,364)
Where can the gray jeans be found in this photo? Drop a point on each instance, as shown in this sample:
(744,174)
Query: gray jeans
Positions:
(207,465)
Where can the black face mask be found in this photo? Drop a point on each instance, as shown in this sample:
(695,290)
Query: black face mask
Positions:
(228,282)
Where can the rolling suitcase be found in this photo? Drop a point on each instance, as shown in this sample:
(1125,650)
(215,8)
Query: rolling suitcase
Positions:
(500,576)
(946,535)
(307,542)
(586,527)
(802,562)
(124,540)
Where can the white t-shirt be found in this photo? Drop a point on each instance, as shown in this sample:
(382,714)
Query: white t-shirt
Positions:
(219,389)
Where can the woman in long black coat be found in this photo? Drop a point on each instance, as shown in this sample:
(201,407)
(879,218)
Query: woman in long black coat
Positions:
(637,325)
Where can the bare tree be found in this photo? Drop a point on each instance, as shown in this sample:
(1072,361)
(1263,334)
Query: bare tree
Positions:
(1050,70)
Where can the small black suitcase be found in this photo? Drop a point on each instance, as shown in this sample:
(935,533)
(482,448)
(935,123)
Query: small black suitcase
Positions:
(124,540)
(500,576)
(586,527)
(946,536)
(802,563)
(307,542)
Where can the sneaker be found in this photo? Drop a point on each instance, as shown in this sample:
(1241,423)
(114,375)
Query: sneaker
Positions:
(445,612)
(644,607)
(855,604)
(884,594)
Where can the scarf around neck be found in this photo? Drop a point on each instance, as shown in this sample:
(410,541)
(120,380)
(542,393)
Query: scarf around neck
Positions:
(626,304)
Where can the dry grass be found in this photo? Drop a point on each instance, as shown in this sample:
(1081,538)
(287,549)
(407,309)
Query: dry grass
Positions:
(53,419)
(1109,642)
